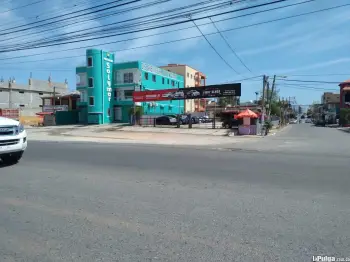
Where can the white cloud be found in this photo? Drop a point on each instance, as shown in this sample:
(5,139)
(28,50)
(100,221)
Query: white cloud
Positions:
(317,65)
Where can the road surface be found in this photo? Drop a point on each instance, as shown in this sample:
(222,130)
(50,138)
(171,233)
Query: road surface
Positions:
(96,202)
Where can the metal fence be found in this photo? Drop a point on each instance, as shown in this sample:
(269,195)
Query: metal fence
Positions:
(158,121)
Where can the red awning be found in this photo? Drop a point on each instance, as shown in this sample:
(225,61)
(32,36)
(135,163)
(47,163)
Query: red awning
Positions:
(247,113)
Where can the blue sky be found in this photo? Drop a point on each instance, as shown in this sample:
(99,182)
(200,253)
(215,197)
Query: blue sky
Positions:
(312,47)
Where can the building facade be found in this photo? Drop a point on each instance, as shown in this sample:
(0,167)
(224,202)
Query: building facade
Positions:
(192,78)
(27,97)
(106,88)
(345,94)
(330,107)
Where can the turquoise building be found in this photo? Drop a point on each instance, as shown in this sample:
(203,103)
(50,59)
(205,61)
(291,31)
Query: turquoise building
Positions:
(106,89)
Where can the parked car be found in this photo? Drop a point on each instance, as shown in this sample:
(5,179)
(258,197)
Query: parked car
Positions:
(13,140)
(293,121)
(166,120)
(193,93)
(178,94)
(168,95)
(205,119)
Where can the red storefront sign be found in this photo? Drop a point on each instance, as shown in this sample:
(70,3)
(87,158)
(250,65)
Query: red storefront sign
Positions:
(155,95)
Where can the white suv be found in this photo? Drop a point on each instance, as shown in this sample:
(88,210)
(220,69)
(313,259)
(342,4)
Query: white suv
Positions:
(13,140)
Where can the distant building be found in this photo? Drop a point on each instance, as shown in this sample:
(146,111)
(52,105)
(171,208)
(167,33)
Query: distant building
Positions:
(329,97)
(106,88)
(330,107)
(345,94)
(192,78)
(27,97)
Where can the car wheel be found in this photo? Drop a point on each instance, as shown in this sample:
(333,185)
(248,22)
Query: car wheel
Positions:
(12,158)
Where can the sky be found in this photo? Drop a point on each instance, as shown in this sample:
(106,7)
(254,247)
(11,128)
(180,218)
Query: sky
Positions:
(313,47)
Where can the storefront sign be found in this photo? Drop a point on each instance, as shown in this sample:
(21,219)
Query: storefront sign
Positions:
(109,79)
(188,93)
(50,108)
(157,71)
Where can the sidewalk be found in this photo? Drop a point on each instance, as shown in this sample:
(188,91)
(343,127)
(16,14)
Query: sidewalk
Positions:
(139,135)
(344,129)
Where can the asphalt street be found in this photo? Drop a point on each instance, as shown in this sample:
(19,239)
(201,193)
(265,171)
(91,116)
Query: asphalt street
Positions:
(286,201)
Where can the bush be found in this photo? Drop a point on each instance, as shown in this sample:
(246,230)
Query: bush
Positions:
(344,118)
(268,125)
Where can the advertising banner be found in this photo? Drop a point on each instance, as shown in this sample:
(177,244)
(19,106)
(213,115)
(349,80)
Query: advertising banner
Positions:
(155,95)
(188,93)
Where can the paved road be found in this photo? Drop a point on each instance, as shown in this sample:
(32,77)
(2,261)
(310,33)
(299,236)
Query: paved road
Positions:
(96,202)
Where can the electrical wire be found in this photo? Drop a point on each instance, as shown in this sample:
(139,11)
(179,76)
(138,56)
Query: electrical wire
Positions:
(168,17)
(216,51)
(230,47)
(162,33)
(167,42)
(64,15)
(310,81)
(52,11)
(23,6)
(142,30)
(80,22)
(132,25)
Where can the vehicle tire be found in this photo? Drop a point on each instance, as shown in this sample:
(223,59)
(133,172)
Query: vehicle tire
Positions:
(12,158)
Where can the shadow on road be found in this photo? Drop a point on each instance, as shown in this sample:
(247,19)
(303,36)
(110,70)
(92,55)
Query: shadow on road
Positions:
(3,165)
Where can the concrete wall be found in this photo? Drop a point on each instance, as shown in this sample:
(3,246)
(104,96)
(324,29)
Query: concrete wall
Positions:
(27,97)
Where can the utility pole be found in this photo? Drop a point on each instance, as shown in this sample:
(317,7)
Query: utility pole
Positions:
(265,78)
(10,93)
(272,90)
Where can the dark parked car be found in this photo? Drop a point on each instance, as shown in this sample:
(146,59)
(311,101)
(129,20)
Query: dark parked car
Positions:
(166,120)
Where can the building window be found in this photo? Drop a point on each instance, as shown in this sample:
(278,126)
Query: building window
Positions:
(41,94)
(146,76)
(168,81)
(89,62)
(163,80)
(178,84)
(191,76)
(347,98)
(128,94)
(91,82)
(21,92)
(115,94)
(154,78)
(91,101)
(172,83)
(128,78)
(188,75)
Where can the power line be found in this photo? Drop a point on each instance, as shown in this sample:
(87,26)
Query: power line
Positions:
(190,27)
(309,87)
(310,81)
(173,41)
(22,6)
(167,17)
(229,46)
(59,41)
(56,12)
(142,30)
(334,74)
(79,22)
(216,51)
(64,15)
